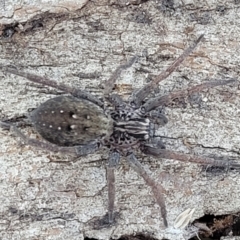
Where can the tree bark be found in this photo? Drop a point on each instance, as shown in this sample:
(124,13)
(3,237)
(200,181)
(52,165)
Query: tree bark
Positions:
(81,45)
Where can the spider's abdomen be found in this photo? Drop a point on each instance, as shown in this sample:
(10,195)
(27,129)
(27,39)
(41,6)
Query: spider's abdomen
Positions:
(68,121)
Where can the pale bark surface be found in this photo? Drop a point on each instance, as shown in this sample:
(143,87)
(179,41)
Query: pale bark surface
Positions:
(81,45)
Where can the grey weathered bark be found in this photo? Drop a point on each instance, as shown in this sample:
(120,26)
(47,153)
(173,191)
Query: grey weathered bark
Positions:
(81,45)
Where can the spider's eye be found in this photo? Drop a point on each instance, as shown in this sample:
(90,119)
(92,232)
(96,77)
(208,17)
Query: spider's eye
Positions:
(143,110)
(71,114)
(69,128)
(133,104)
(85,128)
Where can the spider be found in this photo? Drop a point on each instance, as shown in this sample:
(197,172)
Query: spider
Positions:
(80,124)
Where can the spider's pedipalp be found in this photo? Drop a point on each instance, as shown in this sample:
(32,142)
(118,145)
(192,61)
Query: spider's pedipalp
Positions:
(116,101)
(48,82)
(158,117)
(153,103)
(157,189)
(142,93)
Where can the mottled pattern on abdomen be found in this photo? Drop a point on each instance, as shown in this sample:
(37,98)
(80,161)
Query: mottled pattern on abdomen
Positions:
(68,121)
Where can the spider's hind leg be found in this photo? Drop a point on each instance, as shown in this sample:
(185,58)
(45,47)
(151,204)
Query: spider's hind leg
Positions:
(157,189)
(78,93)
(108,219)
(114,158)
(76,151)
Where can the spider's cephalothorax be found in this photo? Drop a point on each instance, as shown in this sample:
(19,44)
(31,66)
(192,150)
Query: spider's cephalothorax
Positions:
(130,129)
(80,124)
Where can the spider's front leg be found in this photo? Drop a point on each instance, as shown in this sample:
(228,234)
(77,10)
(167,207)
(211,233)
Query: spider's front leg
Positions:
(157,189)
(165,100)
(77,151)
(141,94)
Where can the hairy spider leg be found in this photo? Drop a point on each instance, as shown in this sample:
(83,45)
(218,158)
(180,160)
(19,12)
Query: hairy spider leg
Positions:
(155,150)
(48,82)
(109,84)
(114,158)
(141,94)
(76,151)
(157,189)
(114,98)
(153,103)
